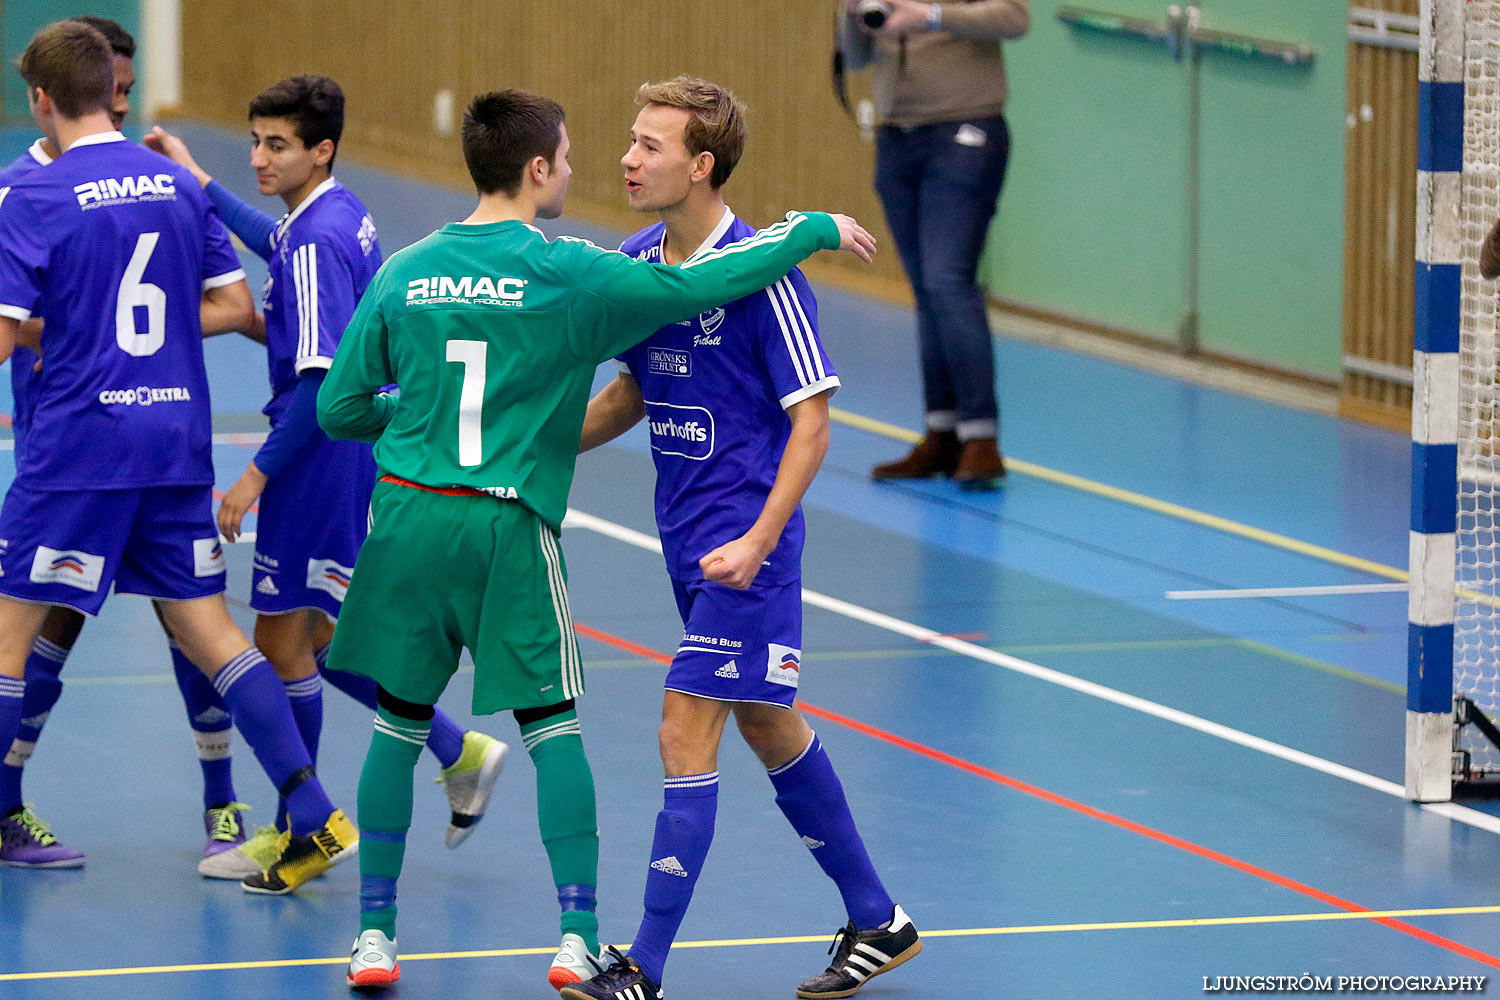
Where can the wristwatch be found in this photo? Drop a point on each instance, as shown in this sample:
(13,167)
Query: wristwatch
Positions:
(934,19)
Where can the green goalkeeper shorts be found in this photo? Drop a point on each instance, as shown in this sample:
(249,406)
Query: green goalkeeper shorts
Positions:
(440,572)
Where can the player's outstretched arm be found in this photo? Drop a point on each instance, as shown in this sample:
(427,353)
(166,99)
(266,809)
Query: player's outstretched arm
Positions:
(623,301)
(252,226)
(736,564)
(349,405)
(226,308)
(618,407)
(161,141)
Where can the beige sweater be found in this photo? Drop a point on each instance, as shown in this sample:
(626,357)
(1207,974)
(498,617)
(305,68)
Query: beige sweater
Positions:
(944,75)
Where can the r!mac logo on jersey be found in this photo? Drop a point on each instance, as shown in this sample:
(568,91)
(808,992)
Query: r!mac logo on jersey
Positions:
(483,290)
(119,190)
(681,430)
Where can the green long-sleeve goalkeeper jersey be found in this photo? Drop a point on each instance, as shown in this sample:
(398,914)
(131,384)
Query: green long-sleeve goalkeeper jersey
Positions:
(492,332)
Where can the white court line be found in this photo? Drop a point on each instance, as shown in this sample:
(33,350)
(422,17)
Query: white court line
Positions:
(1330,591)
(1457,813)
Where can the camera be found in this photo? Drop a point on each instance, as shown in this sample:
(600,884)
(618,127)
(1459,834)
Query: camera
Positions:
(873,12)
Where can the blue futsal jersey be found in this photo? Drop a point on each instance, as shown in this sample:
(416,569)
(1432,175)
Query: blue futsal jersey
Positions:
(122,399)
(716,391)
(23,361)
(323,256)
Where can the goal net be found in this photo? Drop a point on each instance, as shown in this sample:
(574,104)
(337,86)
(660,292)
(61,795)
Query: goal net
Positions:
(1476,631)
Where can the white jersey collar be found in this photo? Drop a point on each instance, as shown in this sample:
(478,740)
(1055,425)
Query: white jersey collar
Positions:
(38,153)
(712,241)
(98,138)
(314,195)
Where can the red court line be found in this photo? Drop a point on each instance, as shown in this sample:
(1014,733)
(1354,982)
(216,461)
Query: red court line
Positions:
(4,419)
(1036,791)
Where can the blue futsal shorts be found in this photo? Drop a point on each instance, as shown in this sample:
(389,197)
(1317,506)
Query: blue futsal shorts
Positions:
(69,547)
(738,645)
(314,515)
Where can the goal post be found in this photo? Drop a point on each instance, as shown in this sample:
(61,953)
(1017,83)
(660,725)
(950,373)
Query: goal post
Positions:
(1453,671)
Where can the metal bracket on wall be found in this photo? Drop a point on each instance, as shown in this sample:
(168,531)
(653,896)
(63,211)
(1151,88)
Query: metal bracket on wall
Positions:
(1183,31)
(1183,35)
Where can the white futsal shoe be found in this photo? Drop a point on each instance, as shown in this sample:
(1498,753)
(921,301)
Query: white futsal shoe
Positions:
(372,962)
(573,963)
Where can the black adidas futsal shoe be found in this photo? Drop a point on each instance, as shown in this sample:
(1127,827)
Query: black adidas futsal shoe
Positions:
(863,954)
(623,980)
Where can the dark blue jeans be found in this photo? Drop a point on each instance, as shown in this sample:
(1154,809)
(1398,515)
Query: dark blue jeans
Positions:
(939,185)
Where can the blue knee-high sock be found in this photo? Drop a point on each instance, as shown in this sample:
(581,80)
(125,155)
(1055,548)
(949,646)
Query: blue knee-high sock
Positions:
(306,698)
(213,728)
(43,688)
(446,738)
(258,701)
(684,829)
(812,798)
(12,692)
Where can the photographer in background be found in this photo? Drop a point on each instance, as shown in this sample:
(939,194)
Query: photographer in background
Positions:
(941,151)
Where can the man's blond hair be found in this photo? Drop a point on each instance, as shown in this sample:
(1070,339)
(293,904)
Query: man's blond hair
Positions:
(716,121)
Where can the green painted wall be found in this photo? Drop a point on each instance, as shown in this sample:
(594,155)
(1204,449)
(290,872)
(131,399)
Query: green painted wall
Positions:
(1093,220)
(22,20)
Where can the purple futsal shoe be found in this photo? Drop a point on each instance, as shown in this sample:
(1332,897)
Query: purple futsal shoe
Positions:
(26,841)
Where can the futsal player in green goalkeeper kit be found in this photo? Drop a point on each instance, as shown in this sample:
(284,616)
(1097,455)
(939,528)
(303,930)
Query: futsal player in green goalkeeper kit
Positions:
(493,333)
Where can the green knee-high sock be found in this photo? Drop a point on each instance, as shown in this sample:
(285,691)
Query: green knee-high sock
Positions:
(567,817)
(385,815)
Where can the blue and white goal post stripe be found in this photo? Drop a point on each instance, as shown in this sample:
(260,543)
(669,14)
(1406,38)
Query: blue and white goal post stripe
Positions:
(1434,417)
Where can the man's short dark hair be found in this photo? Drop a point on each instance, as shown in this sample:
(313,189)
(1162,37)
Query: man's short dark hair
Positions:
(73,63)
(314,104)
(118,38)
(505,130)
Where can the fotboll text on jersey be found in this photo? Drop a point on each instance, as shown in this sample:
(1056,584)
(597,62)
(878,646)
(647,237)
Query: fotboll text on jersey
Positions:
(466,288)
(123,188)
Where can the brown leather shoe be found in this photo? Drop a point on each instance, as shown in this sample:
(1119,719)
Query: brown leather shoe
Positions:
(980,466)
(936,454)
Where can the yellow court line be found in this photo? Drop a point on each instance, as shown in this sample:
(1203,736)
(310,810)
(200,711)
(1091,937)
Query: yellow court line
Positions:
(1274,918)
(1147,503)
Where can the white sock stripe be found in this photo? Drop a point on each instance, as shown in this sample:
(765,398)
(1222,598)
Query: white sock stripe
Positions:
(536,740)
(692,780)
(532,739)
(410,735)
(237,668)
(321,655)
(307,687)
(48,650)
(565,724)
(12,687)
(795,760)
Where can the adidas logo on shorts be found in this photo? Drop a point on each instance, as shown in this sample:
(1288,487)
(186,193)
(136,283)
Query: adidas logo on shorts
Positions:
(728,670)
(671,866)
(266,587)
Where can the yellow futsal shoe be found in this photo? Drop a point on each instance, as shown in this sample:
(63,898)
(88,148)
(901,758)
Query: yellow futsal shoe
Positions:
(306,857)
(470,782)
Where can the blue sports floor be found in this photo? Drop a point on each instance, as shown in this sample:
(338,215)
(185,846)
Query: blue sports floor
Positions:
(1075,786)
